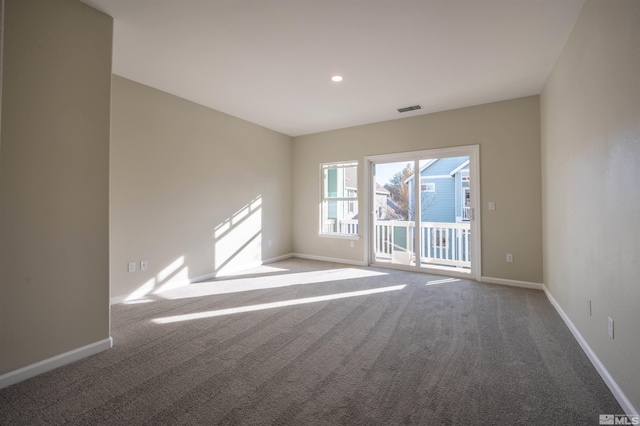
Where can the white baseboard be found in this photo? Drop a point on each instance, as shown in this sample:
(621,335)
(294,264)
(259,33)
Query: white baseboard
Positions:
(214,275)
(200,278)
(330,259)
(118,299)
(600,368)
(32,370)
(512,283)
(277,259)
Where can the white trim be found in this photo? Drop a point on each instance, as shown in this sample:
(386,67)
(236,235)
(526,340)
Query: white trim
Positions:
(338,164)
(213,275)
(428,270)
(340,236)
(115,300)
(476,204)
(366,218)
(330,259)
(599,366)
(33,370)
(120,299)
(427,184)
(459,168)
(277,258)
(512,283)
(430,177)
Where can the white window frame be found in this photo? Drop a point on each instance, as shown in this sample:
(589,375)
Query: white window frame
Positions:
(427,186)
(351,201)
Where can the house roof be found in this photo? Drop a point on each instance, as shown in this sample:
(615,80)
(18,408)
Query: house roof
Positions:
(424,166)
(392,211)
(381,189)
(460,167)
(429,163)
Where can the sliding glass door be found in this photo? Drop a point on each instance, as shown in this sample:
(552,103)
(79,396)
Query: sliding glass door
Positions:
(393,231)
(422,210)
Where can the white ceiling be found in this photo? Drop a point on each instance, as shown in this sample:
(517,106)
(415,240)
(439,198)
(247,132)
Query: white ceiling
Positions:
(270,61)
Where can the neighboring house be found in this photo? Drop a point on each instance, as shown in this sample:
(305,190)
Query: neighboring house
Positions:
(444,190)
(385,208)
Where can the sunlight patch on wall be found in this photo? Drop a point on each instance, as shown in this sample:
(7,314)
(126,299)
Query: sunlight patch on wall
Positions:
(171,269)
(143,290)
(252,308)
(173,276)
(238,240)
(179,279)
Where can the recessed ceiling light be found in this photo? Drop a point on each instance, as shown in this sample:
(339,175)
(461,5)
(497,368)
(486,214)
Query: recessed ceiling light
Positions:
(336,78)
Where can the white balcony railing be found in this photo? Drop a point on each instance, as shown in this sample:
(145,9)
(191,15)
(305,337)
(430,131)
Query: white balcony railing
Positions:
(344,226)
(447,244)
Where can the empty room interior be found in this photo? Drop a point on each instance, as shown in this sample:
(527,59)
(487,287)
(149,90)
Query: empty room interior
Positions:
(209,212)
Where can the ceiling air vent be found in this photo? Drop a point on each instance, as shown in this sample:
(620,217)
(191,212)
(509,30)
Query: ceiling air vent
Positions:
(409,108)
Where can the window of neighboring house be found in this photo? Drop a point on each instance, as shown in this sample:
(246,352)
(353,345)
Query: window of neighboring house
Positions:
(352,207)
(427,186)
(466,203)
(339,199)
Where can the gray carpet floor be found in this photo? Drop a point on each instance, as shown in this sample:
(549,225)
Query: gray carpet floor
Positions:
(326,344)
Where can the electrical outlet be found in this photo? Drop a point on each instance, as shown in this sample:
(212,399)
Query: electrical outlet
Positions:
(610,327)
(352,244)
(492,205)
(143,265)
(132,266)
(509,257)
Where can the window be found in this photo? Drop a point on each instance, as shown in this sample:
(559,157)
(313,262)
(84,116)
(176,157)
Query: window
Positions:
(339,198)
(466,204)
(427,186)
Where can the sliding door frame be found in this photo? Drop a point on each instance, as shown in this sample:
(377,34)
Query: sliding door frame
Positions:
(473,152)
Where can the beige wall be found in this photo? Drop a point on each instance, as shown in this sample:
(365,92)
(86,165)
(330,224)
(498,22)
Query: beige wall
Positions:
(193,191)
(509,137)
(54,177)
(590,113)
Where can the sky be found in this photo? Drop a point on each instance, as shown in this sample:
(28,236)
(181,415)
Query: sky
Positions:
(384,172)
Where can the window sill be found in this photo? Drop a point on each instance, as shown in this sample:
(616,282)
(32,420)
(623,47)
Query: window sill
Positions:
(340,236)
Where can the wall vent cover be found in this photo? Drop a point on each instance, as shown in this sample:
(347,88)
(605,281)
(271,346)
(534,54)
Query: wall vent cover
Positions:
(409,108)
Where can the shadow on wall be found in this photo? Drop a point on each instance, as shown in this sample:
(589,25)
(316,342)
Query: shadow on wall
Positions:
(237,245)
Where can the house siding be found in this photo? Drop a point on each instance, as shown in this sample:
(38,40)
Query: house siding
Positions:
(445,203)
